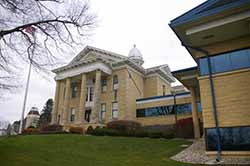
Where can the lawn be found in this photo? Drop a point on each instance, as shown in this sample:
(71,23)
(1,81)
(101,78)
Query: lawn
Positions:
(76,150)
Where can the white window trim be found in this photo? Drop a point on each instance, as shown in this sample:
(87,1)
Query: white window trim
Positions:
(116,110)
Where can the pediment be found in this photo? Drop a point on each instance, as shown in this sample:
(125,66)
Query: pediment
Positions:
(91,53)
(91,56)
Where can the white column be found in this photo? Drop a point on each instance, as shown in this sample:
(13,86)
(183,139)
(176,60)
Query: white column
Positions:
(66,102)
(97,97)
(55,106)
(80,115)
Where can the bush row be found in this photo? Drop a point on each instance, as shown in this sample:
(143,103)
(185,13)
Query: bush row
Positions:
(50,129)
(137,133)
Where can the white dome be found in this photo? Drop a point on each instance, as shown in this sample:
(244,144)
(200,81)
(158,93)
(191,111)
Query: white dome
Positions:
(135,55)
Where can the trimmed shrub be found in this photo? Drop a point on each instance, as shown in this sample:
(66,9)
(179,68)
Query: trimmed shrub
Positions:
(30,131)
(155,134)
(76,130)
(124,125)
(168,135)
(31,127)
(89,130)
(141,134)
(52,129)
(98,131)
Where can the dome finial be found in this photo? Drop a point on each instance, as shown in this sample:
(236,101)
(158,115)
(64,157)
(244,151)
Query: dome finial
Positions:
(134,45)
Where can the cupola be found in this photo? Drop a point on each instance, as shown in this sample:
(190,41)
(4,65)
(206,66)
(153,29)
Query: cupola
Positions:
(135,56)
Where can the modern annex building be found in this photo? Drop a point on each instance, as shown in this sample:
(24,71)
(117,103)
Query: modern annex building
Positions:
(217,35)
(99,86)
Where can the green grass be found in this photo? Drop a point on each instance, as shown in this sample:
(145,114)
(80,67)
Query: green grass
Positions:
(76,150)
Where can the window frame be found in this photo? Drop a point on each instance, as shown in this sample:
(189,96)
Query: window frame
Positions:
(163,90)
(204,60)
(114,110)
(115,82)
(74,90)
(72,114)
(103,111)
(227,137)
(89,95)
(162,110)
(104,83)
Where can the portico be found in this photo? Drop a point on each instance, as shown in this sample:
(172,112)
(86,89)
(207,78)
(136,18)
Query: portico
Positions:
(81,88)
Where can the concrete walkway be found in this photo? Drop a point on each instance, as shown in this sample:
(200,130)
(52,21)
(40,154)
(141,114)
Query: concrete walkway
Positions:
(196,154)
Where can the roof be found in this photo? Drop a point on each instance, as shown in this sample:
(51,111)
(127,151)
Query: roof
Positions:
(162,70)
(207,8)
(33,113)
(188,76)
(91,48)
(79,63)
(185,70)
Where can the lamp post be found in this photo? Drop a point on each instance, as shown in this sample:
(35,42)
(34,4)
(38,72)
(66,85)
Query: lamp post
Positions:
(174,106)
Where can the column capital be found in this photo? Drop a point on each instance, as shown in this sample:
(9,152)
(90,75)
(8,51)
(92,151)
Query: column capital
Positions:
(55,106)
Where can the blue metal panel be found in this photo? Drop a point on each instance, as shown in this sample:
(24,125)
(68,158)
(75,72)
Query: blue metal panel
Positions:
(194,16)
(162,97)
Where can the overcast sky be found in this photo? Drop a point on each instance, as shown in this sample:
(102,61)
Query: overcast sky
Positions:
(122,23)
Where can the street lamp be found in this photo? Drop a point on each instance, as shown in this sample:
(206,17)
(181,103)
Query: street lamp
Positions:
(174,106)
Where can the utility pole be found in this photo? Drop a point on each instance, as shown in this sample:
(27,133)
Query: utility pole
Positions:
(24,101)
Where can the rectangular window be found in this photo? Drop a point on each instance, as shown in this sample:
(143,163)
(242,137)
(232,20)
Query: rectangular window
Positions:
(240,59)
(220,63)
(74,90)
(91,93)
(184,108)
(164,110)
(87,94)
(163,90)
(226,62)
(203,66)
(72,114)
(115,95)
(114,110)
(104,85)
(232,138)
(199,109)
(115,82)
(103,111)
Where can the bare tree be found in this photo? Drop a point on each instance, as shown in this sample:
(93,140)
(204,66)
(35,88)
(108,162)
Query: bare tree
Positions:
(39,32)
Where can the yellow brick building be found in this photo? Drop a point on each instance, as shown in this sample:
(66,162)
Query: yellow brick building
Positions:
(99,86)
(217,35)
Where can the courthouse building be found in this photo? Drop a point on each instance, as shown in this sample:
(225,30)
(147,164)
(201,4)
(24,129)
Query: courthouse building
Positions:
(217,36)
(99,86)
